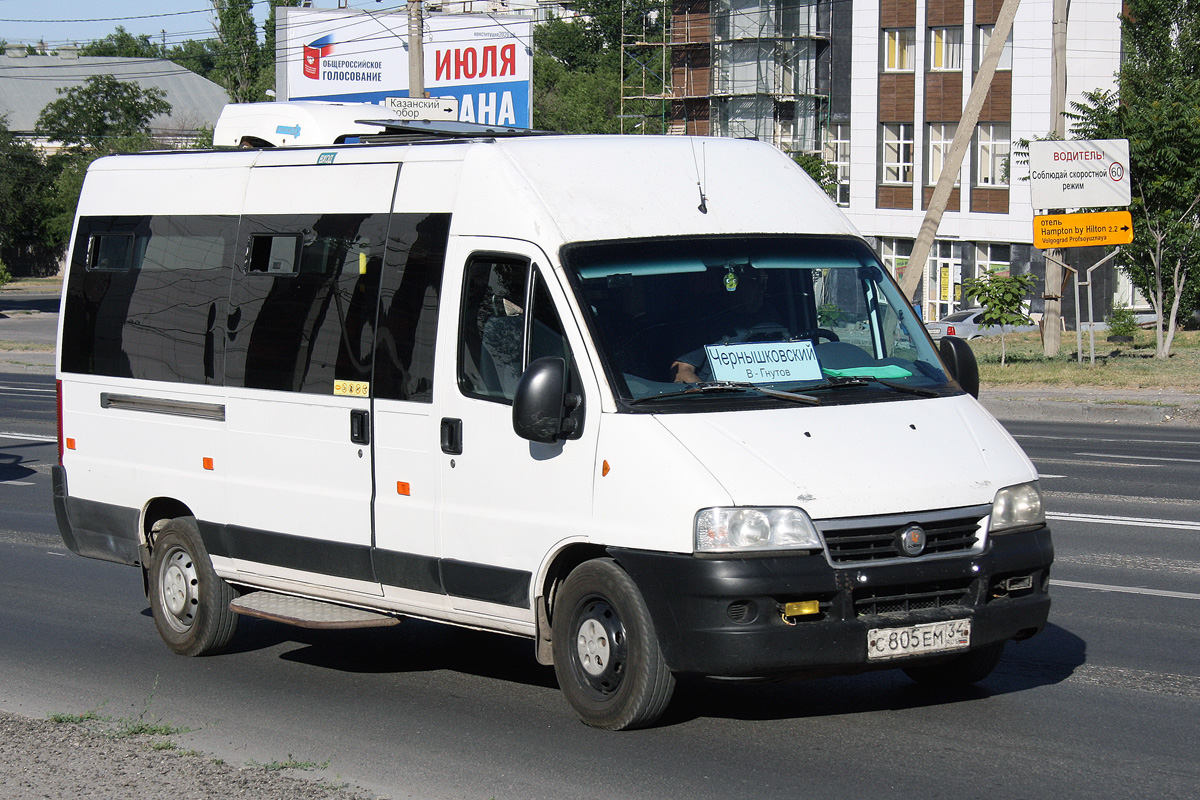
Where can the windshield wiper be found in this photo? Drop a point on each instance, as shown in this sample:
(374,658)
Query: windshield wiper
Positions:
(730,386)
(842,383)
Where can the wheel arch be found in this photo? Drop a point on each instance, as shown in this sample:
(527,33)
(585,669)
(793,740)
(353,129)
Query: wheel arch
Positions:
(156,512)
(554,571)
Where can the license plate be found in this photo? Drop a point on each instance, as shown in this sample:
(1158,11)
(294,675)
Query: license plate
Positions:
(930,637)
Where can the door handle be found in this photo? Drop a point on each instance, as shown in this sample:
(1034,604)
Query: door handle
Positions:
(360,426)
(452,436)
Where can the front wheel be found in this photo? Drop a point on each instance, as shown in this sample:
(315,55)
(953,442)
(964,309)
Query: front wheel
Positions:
(606,652)
(962,670)
(189,601)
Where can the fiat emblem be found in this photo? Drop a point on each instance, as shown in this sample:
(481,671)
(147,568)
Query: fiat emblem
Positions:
(912,540)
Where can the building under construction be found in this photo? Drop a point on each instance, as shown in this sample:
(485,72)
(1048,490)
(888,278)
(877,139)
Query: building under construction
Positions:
(736,68)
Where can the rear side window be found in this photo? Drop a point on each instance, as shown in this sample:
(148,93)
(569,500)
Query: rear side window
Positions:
(303,310)
(146,297)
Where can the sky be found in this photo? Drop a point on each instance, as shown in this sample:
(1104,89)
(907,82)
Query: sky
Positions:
(59,22)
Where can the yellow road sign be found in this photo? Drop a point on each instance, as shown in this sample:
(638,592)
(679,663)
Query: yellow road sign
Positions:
(1082,230)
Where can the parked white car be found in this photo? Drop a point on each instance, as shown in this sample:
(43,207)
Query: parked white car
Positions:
(968,324)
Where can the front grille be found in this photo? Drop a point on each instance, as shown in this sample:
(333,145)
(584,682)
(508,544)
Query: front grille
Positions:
(921,599)
(865,540)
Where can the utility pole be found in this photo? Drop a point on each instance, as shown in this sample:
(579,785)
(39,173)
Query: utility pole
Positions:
(958,148)
(416,52)
(1052,296)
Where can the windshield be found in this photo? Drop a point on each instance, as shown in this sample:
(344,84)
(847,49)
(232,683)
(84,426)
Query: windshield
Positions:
(774,319)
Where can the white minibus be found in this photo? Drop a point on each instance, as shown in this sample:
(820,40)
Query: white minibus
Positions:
(650,402)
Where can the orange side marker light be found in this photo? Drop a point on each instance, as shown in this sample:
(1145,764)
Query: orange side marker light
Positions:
(604,469)
(208,463)
(70,444)
(403,488)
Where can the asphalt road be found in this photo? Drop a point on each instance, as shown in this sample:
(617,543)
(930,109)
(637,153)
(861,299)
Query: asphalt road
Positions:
(1105,703)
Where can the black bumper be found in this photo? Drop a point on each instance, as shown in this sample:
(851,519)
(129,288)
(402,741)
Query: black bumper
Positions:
(94,530)
(722,616)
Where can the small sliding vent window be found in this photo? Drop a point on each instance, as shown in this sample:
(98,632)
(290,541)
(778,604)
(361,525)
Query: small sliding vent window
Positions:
(277,254)
(112,252)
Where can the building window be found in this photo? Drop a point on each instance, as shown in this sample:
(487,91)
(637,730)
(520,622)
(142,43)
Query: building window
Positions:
(895,253)
(991,155)
(945,48)
(898,49)
(938,141)
(983,35)
(944,278)
(993,258)
(837,155)
(897,161)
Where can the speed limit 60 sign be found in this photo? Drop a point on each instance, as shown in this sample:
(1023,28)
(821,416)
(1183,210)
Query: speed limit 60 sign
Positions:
(1079,174)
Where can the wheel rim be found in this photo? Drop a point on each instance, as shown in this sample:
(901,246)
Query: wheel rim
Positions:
(600,647)
(177,589)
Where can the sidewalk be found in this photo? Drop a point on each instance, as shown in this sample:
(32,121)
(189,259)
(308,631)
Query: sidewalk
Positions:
(29,323)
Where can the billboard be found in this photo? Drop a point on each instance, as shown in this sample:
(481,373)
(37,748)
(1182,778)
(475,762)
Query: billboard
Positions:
(482,61)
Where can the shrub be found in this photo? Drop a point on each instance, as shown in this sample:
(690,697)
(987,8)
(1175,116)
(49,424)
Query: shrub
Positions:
(1121,320)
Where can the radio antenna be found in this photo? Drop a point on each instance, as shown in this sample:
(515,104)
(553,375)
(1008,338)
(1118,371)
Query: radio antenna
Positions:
(700,177)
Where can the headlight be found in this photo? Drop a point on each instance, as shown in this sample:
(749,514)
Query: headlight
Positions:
(720,530)
(1018,508)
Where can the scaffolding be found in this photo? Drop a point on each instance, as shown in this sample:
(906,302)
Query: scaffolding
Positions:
(739,68)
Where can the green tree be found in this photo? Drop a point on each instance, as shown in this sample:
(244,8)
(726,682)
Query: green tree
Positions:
(576,79)
(123,44)
(100,117)
(820,170)
(266,55)
(1158,111)
(238,54)
(102,114)
(198,56)
(24,188)
(1002,298)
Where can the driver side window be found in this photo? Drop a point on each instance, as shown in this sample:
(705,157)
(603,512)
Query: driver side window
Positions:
(507,320)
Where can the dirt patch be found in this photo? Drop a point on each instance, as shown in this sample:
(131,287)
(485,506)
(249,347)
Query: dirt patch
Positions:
(42,759)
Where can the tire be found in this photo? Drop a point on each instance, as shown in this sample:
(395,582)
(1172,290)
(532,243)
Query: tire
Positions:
(189,602)
(970,667)
(606,653)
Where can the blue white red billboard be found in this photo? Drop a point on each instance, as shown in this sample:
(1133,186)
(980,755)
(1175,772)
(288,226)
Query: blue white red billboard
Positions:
(483,61)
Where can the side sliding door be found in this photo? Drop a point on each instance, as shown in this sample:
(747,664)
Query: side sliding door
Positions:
(300,339)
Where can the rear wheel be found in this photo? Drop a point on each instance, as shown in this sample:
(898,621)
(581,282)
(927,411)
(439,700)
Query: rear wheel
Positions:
(606,652)
(963,670)
(189,601)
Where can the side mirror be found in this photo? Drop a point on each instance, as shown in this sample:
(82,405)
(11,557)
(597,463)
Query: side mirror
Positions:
(543,409)
(960,361)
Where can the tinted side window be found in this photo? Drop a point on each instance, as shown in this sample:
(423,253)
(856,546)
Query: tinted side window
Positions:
(146,297)
(412,285)
(497,337)
(492,327)
(299,320)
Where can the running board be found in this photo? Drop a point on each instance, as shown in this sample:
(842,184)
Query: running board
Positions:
(306,613)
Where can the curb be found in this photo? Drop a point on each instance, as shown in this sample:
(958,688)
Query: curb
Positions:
(1007,410)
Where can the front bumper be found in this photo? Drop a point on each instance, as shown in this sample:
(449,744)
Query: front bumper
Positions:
(722,616)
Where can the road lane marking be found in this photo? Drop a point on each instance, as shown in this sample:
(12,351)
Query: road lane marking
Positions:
(1139,680)
(1111,441)
(1086,497)
(1077,462)
(38,390)
(1120,561)
(1137,522)
(31,437)
(1142,458)
(1102,587)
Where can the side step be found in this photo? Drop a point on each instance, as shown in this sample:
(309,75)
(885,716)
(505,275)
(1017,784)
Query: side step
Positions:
(306,613)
